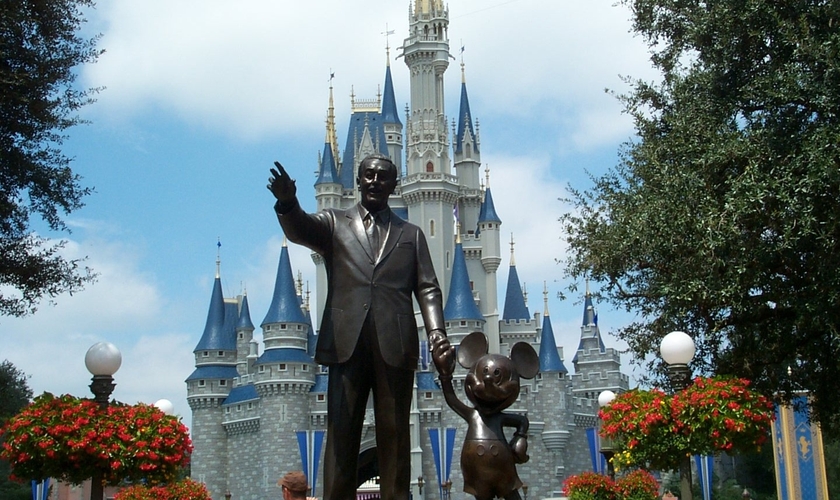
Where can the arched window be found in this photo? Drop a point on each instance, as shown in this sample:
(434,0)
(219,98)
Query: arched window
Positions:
(430,167)
(431,228)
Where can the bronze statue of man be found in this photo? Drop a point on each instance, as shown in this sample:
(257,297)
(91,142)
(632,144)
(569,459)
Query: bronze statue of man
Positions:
(375,263)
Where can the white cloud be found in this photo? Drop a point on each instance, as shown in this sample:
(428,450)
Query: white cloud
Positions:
(257,68)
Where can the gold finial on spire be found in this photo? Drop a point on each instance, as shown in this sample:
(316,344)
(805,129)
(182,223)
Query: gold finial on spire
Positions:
(285,241)
(457,233)
(487,176)
(332,137)
(306,303)
(463,76)
(512,259)
(545,298)
(587,288)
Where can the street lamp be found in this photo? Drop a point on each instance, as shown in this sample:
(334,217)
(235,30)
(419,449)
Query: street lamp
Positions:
(604,399)
(677,349)
(102,360)
(447,486)
(420,485)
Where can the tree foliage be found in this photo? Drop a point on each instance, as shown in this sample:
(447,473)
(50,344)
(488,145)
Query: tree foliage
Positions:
(40,48)
(722,217)
(14,395)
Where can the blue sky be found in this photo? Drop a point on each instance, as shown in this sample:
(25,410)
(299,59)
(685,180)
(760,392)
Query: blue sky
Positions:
(201,96)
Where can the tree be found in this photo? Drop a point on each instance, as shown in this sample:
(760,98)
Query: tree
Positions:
(14,395)
(722,218)
(39,51)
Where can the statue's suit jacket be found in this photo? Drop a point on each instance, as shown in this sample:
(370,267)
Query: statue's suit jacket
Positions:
(359,282)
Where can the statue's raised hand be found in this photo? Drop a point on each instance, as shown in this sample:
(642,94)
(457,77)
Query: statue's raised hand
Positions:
(281,185)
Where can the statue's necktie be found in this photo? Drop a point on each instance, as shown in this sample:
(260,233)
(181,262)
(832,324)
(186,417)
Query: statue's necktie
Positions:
(372,229)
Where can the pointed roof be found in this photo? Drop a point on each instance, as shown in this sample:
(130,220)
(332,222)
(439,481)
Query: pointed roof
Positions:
(590,323)
(285,305)
(488,209)
(464,118)
(389,102)
(515,308)
(244,315)
(549,357)
(460,304)
(216,335)
(327,173)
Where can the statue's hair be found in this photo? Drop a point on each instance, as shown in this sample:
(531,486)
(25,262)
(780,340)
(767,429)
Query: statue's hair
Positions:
(374,157)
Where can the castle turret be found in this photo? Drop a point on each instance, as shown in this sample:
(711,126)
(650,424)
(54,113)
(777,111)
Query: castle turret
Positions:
(489,232)
(467,159)
(461,314)
(328,189)
(244,336)
(209,385)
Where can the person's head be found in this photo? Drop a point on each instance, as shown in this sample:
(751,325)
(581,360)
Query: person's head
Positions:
(294,485)
(377,179)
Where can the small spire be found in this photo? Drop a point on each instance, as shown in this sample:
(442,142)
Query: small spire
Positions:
(457,233)
(545,298)
(387,32)
(487,176)
(218,256)
(512,257)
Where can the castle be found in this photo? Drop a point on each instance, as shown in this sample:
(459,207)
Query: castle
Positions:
(258,412)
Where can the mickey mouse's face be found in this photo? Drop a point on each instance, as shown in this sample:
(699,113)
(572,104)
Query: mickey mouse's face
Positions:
(493,383)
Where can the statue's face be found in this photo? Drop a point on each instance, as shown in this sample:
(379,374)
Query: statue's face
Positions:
(377,180)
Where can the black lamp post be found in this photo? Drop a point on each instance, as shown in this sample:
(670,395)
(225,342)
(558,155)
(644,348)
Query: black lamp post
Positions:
(677,349)
(420,485)
(604,399)
(102,360)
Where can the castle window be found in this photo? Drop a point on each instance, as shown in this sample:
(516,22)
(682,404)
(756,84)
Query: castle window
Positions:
(201,383)
(267,327)
(250,406)
(428,395)
(432,228)
(430,167)
(283,326)
(262,369)
(241,335)
(222,383)
(282,367)
(463,323)
(299,327)
(221,353)
(305,368)
(238,407)
(227,410)
(321,398)
(205,354)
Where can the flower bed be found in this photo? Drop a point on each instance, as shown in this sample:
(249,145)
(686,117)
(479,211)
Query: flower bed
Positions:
(73,439)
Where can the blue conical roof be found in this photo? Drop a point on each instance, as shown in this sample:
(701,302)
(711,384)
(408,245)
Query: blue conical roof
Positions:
(245,315)
(285,305)
(488,209)
(460,303)
(358,121)
(465,121)
(389,103)
(515,308)
(217,335)
(549,358)
(327,174)
(590,317)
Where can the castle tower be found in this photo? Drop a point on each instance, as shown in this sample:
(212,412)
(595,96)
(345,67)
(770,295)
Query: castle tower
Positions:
(429,190)
(328,189)
(209,385)
(597,367)
(284,375)
(467,163)
(489,231)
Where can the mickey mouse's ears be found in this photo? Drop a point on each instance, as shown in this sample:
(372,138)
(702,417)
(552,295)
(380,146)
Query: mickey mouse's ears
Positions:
(472,347)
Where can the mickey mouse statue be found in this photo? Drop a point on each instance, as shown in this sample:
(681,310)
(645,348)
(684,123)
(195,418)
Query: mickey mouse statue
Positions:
(488,460)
